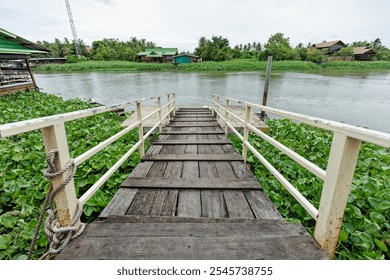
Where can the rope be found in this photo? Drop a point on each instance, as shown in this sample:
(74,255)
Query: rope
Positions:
(57,236)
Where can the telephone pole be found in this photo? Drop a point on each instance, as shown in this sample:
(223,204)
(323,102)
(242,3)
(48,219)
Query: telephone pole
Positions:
(75,39)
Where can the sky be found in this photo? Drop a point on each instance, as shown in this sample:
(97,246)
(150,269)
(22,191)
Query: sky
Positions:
(180,23)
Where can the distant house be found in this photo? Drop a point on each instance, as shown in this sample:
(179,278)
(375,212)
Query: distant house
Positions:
(332,46)
(158,55)
(15,70)
(363,53)
(185,58)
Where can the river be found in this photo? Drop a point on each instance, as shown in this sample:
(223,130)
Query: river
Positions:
(361,99)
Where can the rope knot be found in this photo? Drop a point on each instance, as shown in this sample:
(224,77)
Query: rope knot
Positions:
(57,235)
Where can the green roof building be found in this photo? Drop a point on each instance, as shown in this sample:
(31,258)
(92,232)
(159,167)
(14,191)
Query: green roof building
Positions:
(158,55)
(15,51)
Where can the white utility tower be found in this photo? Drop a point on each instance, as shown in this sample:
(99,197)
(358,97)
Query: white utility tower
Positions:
(76,40)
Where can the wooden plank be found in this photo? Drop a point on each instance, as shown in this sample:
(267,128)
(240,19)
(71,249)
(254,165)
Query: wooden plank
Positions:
(251,240)
(236,203)
(189,202)
(193,125)
(182,119)
(192,157)
(120,203)
(261,205)
(191,132)
(191,142)
(191,183)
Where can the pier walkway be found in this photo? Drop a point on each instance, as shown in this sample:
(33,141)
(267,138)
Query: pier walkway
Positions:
(192,197)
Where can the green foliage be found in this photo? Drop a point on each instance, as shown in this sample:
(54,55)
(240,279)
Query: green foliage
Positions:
(232,65)
(216,49)
(63,48)
(315,55)
(279,48)
(22,163)
(114,49)
(365,233)
(74,58)
(348,51)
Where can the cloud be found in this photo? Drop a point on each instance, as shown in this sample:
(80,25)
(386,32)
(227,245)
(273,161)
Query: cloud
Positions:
(105,2)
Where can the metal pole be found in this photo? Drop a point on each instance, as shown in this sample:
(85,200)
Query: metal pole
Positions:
(266,86)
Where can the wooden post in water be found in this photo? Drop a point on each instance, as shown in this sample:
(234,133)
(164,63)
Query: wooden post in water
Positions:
(54,137)
(266,86)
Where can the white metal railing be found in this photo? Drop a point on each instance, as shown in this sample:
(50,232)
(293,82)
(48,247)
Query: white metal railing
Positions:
(54,137)
(337,177)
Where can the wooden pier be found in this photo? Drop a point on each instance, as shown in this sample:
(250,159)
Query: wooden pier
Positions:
(192,197)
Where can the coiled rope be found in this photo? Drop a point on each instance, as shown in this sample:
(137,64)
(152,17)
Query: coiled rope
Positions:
(57,236)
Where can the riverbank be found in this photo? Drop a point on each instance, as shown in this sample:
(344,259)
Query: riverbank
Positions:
(209,66)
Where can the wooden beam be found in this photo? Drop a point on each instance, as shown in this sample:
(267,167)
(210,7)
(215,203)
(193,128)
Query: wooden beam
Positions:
(191,183)
(193,157)
(193,125)
(191,132)
(192,142)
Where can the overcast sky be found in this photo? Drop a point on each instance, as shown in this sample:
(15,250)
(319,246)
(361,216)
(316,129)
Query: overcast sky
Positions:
(180,23)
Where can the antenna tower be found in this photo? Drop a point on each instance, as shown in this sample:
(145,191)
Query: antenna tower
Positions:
(76,40)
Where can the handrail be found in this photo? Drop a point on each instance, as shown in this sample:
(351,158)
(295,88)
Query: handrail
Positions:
(54,136)
(337,177)
(368,135)
(15,128)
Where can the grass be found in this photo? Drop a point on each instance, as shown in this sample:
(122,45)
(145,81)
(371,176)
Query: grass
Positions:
(209,66)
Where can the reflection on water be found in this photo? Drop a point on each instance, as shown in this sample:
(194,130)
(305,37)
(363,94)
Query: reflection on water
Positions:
(361,98)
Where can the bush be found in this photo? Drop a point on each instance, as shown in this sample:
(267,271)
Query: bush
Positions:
(315,55)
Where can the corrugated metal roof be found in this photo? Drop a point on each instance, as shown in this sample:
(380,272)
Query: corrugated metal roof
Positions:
(160,51)
(13,44)
(328,44)
(184,54)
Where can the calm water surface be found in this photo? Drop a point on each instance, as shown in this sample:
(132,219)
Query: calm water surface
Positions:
(358,99)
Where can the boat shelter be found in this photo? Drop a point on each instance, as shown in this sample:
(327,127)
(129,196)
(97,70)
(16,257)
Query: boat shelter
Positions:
(15,69)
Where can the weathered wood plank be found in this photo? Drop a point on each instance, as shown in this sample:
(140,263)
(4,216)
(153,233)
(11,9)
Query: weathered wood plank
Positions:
(261,205)
(121,201)
(193,125)
(189,203)
(191,183)
(191,142)
(192,157)
(270,240)
(182,119)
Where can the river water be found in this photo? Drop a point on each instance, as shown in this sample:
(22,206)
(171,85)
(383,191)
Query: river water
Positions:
(361,99)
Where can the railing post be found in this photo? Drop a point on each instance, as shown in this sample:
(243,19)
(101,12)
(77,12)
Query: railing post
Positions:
(212,105)
(54,137)
(159,113)
(169,107)
(218,109)
(339,174)
(140,130)
(226,115)
(246,132)
(174,104)
(266,86)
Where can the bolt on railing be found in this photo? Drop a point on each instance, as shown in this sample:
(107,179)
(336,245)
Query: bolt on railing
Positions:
(337,177)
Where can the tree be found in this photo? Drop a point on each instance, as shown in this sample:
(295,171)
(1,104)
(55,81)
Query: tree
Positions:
(315,55)
(216,49)
(279,48)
